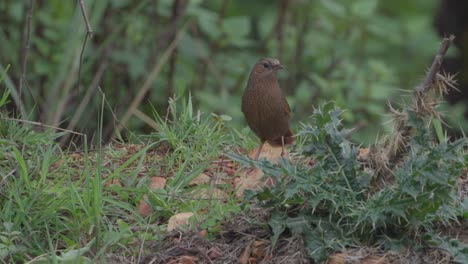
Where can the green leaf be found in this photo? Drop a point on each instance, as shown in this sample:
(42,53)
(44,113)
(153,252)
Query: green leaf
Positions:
(364,8)
(236,27)
(207,21)
(465,208)
(334,7)
(277,223)
(298,225)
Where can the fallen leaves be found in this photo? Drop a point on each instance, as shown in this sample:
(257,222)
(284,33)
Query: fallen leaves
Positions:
(252,178)
(184,260)
(249,179)
(255,252)
(201,179)
(178,220)
(214,253)
(156,183)
(220,173)
(221,180)
(269,152)
(343,258)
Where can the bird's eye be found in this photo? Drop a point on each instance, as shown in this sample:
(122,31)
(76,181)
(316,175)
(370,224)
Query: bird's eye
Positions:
(266,65)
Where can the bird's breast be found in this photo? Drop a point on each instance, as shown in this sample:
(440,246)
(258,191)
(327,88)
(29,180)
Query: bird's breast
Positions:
(264,107)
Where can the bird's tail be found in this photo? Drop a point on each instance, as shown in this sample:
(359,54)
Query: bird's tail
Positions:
(289,138)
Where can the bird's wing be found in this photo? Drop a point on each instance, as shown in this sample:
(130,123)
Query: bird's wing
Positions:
(287,109)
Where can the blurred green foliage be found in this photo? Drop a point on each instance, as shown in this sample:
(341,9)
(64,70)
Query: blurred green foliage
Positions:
(359,53)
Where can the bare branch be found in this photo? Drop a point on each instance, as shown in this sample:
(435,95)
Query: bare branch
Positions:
(151,77)
(86,19)
(39,124)
(89,32)
(84,103)
(279,27)
(388,153)
(26,47)
(436,64)
(178,11)
(148,120)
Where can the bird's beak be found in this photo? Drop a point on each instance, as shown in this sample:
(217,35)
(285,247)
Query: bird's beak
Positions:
(277,66)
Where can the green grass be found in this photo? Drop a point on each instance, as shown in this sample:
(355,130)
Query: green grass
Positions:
(57,206)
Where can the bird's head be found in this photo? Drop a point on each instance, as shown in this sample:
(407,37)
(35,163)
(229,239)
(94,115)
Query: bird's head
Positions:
(267,66)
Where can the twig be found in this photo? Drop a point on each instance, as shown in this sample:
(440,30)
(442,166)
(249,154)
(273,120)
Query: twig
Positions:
(178,10)
(147,84)
(79,111)
(110,127)
(334,63)
(403,129)
(148,120)
(277,30)
(186,197)
(430,77)
(86,19)
(14,91)
(4,179)
(26,49)
(81,62)
(294,79)
(65,89)
(41,125)
(422,104)
(222,11)
(387,154)
(282,10)
(218,76)
(89,32)
(208,64)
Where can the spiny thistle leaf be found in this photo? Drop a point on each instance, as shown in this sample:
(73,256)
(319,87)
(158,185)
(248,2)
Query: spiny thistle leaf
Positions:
(329,203)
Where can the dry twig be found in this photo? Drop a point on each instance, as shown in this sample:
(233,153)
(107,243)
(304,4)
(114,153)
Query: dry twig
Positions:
(387,154)
(41,125)
(86,19)
(25,52)
(152,76)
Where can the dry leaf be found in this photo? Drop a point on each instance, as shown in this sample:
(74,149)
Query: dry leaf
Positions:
(245,255)
(214,253)
(374,260)
(156,183)
(184,260)
(216,194)
(268,258)
(178,220)
(250,179)
(143,208)
(201,178)
(363,154)
(269,152)
(338,258)
(258,248)
(203,233)
(76,156)
(113,182)
(253,261)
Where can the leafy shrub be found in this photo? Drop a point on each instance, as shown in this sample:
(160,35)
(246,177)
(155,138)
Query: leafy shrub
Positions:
(331,203)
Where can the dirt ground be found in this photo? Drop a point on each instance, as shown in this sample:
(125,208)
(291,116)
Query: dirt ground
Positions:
(243,242)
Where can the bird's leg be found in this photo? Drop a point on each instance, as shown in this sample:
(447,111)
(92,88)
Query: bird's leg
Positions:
(282,146)
(259,150)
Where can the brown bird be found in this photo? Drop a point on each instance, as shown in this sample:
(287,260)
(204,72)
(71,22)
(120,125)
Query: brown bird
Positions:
(266,110)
